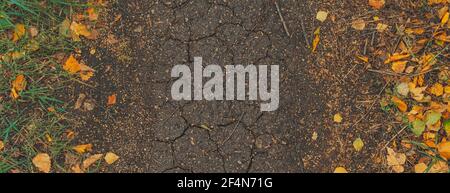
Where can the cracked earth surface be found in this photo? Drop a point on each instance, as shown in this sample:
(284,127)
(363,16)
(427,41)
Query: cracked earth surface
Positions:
(153,133)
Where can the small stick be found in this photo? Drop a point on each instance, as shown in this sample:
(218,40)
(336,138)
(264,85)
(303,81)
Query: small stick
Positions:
(304,33)
(234,129)
(282,19)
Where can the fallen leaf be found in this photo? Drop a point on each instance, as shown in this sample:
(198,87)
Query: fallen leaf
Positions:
(396,160)
(77,169)
(401,105)
(358,144)
(439,167)
(444,149)
(2,145)
(79,101)
(19,84)
(316,39)
(83,148)
(432,117)
(359,24)
(437,89)
(381,27)
(110,158)
(64,29)
(92,14)
(444,19)
(112,100)
(396,57)
(86,75)
(403,89)
(19,32)
(420,168)
(78,30)
(72,66)
(377,4)
(91,160)
(363,58)
(42,162)
(314,136)
(447,126)
(33,31)
(340,170)
(399,67)
(337,118)
(418,127)
(322,16)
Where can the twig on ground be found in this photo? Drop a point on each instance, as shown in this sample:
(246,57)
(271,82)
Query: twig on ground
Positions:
(305,35)
(234,129)
(282,19)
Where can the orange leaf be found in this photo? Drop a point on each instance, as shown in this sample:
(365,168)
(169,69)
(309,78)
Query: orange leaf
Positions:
(72,66)
(444,149)
(42,162)
(396,57)
(402,106)
(399,67)
(91,160)
(92,13)
(18,85)
(19,32)
(83,148)
(377,4)
(112,100)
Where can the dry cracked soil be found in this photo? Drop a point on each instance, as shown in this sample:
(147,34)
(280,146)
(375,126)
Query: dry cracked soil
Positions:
(141,42)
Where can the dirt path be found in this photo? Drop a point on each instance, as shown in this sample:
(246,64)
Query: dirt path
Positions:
(152,133)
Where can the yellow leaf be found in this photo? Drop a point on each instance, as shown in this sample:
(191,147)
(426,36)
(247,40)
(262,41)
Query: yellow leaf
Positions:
(83,148)
(91,160)
(363,58)
(322,16)
(420,168)
(377,4)
(19,32)
(358,144)
(399,67)
(72,66)
(437,89)
(77,169)
(447,89)
(42,162)
(86,75)
(337,118)
(2,145)
(340,170)
(79,30)
(401,105)
(439,167)
(444,149)
(110,158)
(381,27)
(444,19)
(315,43)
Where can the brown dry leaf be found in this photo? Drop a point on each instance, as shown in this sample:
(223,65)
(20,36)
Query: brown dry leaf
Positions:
(91,160)
(83,148)
(437,89)
(42,162)
(359,24)
(72,66)
(396,160)
(19,32)
(77,169)
(399,66)
(19,84)
(33,31)
(340,170)
(111,157)
(377,4)
(444,149)
(112,100)
(439,167)
(401,105)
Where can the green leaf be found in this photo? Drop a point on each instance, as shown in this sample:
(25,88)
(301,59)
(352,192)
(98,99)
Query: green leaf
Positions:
(418,127)
(432,118)
(447,126)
